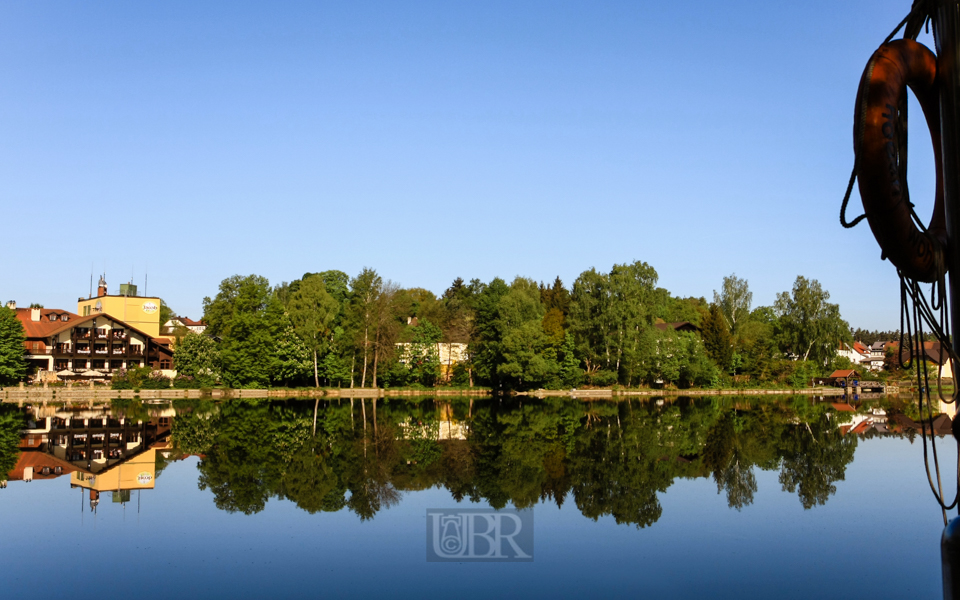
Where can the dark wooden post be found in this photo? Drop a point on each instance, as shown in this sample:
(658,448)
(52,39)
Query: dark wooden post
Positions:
(946,33)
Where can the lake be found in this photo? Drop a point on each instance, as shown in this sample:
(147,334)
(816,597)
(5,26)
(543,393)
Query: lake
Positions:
(722,497)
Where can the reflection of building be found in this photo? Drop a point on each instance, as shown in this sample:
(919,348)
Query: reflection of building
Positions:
(859,423)
(99,451)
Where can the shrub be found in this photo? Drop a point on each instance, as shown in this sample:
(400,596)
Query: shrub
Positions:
(139,378)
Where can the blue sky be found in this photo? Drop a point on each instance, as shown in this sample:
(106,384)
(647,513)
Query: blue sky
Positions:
(431,140)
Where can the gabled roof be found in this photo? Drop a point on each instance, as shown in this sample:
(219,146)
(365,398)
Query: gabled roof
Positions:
(843,373)
(44,327)
(38,460)
(81,321)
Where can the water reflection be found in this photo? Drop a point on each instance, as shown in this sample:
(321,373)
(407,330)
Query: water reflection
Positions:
(608,458)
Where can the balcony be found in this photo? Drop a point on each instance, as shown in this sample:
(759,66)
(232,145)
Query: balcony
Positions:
(118,335)
(117,351)
(83,335)
(83,350)
(100,351)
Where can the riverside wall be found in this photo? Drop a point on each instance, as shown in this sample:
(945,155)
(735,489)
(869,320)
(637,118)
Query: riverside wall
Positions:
(85,393)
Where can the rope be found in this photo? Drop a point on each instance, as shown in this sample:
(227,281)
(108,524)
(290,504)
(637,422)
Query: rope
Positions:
(916,312)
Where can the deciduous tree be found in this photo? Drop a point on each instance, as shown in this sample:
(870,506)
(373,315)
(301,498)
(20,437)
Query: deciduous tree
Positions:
(809,326)
(734,301)
(312,312)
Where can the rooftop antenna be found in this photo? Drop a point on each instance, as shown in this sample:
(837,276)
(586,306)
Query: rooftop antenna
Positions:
(145,283)
(91,282)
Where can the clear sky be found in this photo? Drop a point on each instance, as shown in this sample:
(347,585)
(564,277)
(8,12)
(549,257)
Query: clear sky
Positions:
(192,141)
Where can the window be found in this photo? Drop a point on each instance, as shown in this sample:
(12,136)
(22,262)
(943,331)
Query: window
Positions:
(164,364)
(36,345)
(64,317)
(116,364)
(53,317)
(96,364)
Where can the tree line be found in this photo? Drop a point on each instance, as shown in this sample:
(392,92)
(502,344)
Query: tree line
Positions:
(608,328)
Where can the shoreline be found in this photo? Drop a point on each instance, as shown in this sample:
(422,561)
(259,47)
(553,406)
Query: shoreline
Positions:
(86,393)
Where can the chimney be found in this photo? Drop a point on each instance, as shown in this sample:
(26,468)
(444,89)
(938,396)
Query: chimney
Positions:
(35,314)
(102,287)
(12,305)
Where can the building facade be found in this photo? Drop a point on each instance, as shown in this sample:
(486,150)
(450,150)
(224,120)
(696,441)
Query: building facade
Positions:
(142,312)
(62,344)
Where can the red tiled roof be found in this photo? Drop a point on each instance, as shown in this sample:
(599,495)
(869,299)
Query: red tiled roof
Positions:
(190,322)
(843,373)
(843,407)
(44,327)
(38,460)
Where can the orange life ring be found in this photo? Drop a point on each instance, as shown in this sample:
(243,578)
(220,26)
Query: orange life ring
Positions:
(892,68)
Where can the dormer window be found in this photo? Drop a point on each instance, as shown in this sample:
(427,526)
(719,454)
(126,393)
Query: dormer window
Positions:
(64,318)
(53,317)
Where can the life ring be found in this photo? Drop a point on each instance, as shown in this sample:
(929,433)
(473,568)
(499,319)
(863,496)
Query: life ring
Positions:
(892,68)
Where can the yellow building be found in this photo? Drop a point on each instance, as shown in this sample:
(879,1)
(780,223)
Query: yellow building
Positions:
(142,312)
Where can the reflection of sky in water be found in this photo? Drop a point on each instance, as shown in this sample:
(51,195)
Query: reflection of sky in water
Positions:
(878,536)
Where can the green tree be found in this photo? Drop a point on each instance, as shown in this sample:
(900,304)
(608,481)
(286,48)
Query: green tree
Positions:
(365,291)
(421,354)
(292,361)
(734,301)
(528,358)
(611,316)
(166,313)
(717,339)
(570,372)
(486,345)
(247,317)
(313,312)
(197,356)
(13,363)
(809,326)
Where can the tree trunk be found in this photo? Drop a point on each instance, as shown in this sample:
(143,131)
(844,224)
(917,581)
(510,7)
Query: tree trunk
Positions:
(316,404)
(376,355)
(366,342)
(316,377)
(353,367)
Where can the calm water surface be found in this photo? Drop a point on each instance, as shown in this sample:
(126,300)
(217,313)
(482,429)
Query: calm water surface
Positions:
(675,498)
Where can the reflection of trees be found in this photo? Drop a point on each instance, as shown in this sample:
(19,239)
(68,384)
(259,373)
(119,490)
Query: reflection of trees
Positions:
(613,458)
(11,422)
(724,455)
(815,455)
